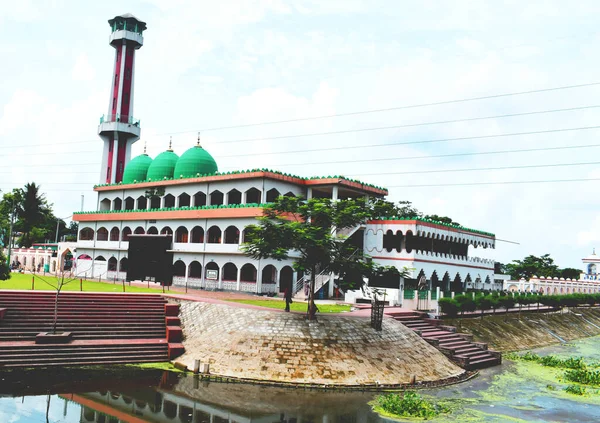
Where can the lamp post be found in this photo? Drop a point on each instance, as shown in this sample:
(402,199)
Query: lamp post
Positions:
(10,234)
(57,226)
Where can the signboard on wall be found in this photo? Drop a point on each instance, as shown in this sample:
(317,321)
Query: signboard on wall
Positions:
(212,275)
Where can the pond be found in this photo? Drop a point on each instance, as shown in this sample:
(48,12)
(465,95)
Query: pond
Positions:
(513,392)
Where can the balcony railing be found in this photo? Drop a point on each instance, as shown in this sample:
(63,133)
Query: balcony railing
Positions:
(120,118)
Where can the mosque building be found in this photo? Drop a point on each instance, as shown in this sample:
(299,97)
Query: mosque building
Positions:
(205,212)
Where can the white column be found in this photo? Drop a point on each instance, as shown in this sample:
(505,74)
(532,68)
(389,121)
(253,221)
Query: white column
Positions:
(331,278)
(309,194)
(113,170)
(334,193)
(258,280)
(239,272)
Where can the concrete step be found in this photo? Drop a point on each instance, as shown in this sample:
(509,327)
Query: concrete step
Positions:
(89,361)
(484,363)
(454,345)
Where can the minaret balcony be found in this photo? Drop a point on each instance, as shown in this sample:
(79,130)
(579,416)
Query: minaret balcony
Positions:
(119,123)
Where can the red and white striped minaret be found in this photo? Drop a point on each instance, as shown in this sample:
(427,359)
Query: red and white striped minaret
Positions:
(118,129)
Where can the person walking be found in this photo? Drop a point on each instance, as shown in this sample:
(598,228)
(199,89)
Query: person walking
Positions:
(287,294)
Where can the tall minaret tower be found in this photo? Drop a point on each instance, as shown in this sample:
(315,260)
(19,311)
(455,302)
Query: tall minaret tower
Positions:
(118,129)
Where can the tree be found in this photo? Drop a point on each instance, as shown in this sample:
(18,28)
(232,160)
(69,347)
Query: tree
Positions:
(57,283)
(4,268)
(33,211)
(306,230)
(532,265)
(570,273)
(483,303)
(443,219)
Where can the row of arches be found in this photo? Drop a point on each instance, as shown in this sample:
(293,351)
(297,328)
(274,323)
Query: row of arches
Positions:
(199,199)
(449,283)
(214,234)
(426,242)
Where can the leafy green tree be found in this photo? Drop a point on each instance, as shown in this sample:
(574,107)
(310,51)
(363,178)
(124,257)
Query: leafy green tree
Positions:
(532,265)
(465,303)
(569,273)
(306,230)
(483,303)
(4,268)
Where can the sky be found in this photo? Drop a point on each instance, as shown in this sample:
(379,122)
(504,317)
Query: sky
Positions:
(207,65)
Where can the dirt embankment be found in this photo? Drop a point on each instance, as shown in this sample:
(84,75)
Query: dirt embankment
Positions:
(530,330)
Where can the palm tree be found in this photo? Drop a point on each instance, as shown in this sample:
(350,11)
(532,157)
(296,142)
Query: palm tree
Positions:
(32,211)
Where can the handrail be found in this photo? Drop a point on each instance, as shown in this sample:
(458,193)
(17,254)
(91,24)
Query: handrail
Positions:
(119,118)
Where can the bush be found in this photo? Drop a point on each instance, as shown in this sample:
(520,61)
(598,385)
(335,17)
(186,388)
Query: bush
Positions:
(576,390)
(448,306)
(409,404)
(465,302)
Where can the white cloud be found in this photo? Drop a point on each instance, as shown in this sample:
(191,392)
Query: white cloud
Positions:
(82,70)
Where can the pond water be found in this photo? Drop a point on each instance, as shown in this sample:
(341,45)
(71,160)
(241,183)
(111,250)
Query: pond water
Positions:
(514,392)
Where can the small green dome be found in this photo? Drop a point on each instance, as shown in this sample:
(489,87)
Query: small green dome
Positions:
(137,169)
(162,166)
(195,161)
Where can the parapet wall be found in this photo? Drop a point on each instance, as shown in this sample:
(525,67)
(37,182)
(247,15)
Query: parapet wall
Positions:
(284,347)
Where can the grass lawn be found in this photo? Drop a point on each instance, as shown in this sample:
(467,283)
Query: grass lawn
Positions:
(23,281)
(295,306)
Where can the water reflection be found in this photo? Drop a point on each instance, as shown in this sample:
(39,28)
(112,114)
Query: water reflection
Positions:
(164,397)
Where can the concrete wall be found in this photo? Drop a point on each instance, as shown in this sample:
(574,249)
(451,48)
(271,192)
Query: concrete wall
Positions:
(284,347)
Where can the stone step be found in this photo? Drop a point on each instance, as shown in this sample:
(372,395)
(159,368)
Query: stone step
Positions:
(89,361)
(454,345)
(484,362)
(468,350)
(51,354)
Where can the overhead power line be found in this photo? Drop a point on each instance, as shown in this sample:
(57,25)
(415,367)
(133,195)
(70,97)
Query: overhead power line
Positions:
(476,169)
(478,153)
(388,109)
(410,125)
(551,181)
(370,145)
(379,128)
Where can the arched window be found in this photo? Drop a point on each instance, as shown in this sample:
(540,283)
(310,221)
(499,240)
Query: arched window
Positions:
(248,273)
(216,198)
(102,234)
(105,204)
(117,204)
(166,231)
(123,265)
(129,203)
(289,194)
(197,235)
(112,264)
(114,234)
(252,196)
(286,276)
(142,203)
(86,234)
(125,233)
(181,235)
(184,200)
(152,230)
(169,201)
(155,202)
(214,235)
(230,272)
(234,197)
(269,274)
(139,231)
(272,195)
(179,268)
(199,199)
(195,270)
(100,258)
(212,271)
(232,235)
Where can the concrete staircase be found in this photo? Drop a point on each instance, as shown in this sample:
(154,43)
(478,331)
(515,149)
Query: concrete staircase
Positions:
(106,328)
(459,347)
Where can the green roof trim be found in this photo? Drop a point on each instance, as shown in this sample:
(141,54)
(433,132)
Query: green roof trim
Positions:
(220,206)
(203,175)
(435,222)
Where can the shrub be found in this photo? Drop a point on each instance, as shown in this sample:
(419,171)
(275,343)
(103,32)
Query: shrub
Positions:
(410,404)
(448,306)
(576,390)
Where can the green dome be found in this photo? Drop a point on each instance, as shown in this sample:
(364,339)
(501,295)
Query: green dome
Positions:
(137,169)
(162,166)
(195,161)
